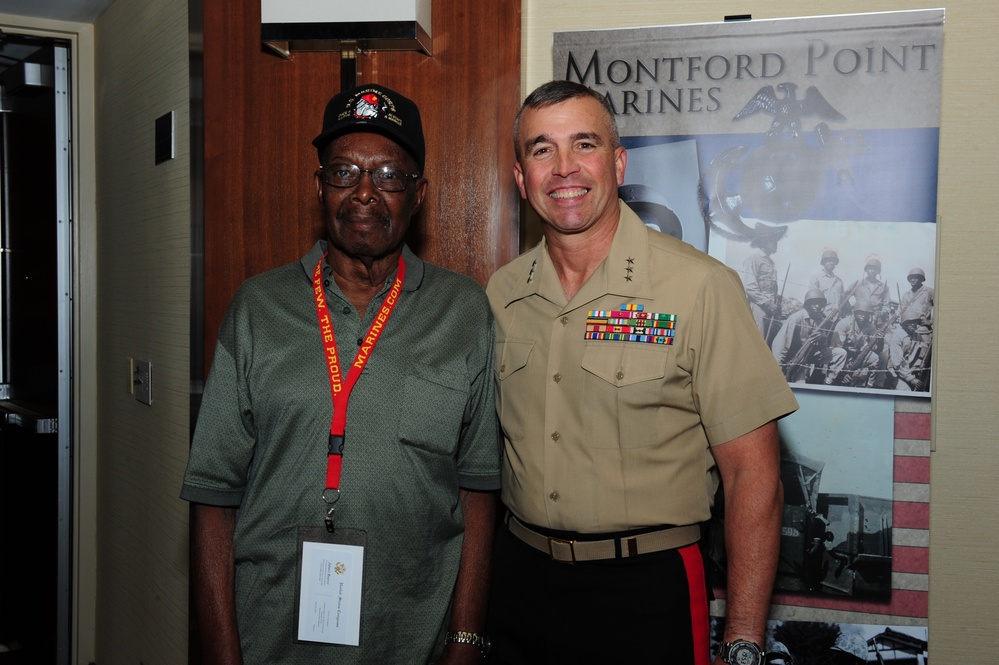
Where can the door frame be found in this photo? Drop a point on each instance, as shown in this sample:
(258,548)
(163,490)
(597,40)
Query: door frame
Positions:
(78,413)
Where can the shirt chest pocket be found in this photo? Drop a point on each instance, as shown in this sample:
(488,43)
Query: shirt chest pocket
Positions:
(518,397)
(623,392)
(433,408)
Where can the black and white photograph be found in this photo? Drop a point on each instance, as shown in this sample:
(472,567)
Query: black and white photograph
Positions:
(845,306)
(837,470)
(821,643)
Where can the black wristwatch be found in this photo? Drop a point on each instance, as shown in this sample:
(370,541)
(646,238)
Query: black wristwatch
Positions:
(742,652)
(461,637)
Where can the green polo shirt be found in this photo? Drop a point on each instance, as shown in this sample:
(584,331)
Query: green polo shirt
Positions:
(420,424)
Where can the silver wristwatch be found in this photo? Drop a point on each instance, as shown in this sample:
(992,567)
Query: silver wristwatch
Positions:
(742,652)
(461,637)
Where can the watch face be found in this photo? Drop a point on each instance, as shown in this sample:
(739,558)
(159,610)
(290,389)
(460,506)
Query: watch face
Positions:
(745,654)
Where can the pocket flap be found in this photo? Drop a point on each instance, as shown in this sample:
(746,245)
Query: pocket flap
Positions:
(626,364)
(511,356)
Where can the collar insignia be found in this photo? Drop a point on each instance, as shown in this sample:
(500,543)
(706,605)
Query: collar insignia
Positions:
(630,268)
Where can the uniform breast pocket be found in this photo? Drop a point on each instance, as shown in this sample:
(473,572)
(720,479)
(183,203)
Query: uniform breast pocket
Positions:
(433,408)
(514,386)
(625,383)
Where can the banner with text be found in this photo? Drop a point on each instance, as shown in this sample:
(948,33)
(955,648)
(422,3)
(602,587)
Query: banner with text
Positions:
(803,154)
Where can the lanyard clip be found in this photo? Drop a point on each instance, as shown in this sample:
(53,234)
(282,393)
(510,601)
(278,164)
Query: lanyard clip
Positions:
(336,444)
(330,497)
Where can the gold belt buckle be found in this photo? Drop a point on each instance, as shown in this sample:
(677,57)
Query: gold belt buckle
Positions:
(561,541)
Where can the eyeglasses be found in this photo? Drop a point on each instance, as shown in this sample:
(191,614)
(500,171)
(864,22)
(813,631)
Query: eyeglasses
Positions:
(385,178)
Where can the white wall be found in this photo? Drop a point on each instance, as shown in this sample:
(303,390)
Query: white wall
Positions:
(143,286)
(964,572)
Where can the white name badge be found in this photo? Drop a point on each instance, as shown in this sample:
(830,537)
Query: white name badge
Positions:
(329,603)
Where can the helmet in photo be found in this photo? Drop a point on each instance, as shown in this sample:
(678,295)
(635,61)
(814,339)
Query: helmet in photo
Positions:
(829,255)
(653,209)
(853,644)
(917,272)
(864,305)
(778,654)
(873,262)
(815,294)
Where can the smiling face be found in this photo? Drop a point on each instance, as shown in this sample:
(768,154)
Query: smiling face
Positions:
(569,169)
(363,222)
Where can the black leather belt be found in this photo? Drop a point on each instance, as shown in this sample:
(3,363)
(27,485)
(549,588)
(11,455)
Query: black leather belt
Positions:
(571,551)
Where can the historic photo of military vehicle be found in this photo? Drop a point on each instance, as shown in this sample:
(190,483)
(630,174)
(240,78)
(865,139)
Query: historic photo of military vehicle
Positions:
(836,544)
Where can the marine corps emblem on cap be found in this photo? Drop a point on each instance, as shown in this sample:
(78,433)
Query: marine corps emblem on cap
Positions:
(369,106)
(374,108)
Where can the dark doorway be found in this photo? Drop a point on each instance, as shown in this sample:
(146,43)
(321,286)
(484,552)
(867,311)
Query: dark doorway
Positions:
(35,454)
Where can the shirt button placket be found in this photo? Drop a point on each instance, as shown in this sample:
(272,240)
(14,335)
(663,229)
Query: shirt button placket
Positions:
(555,410)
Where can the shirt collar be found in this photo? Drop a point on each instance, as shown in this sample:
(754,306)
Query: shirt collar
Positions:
(624,272)
(415,268)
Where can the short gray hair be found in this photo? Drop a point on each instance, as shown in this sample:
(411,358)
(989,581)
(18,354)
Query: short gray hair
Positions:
(556,92)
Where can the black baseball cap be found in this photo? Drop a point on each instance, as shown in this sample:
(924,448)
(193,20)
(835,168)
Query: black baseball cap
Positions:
(374,108)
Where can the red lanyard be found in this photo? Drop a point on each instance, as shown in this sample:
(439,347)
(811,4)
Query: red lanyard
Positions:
(340,389)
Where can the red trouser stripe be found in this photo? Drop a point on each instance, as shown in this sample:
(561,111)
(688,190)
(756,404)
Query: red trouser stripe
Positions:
(699,609)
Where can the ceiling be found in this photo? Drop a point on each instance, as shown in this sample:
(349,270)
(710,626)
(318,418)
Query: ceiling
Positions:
(78,11)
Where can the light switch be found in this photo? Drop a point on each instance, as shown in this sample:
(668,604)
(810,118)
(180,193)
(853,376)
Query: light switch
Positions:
(163,144)
(143,381)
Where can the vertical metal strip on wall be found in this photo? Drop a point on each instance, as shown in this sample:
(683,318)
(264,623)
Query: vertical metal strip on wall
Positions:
(64,254)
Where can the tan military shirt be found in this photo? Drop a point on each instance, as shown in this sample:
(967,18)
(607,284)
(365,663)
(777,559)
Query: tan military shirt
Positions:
(605,435)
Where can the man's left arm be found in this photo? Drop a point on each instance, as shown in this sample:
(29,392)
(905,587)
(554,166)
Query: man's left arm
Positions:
(754,497)
(478,477)
(468,604)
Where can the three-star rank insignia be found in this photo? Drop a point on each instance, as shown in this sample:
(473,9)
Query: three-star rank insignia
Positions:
(631,323)
(630,268)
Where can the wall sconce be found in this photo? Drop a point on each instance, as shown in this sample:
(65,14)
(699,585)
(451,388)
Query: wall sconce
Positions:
(347,26)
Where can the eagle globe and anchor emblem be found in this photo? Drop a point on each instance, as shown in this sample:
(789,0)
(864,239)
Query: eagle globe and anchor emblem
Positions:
(783,179)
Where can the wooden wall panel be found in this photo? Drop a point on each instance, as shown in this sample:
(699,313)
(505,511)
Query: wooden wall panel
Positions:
(261,113)
(468,94)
